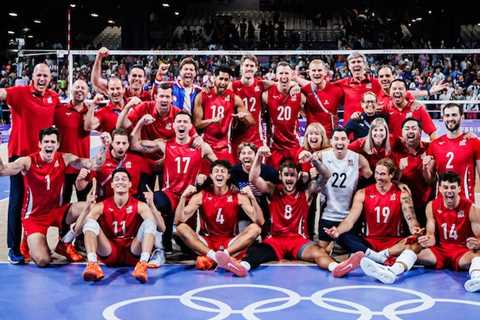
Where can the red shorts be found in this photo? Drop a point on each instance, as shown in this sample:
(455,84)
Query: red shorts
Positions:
(41,223)
(448,255)
(288,246)
(121,253)
(382,243)
(216,242)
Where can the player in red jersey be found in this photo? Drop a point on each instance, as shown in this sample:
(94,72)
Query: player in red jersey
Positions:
(400,108)
(70,121)
(322,96)
(43,173)
(455,222)
(454,151)
(355,86)
(408,153)
(219,208)
(283,109)
(383,206)
(114,230)
(105,118)
(249,89)
(119,156)
(32,109)
(136,78)
(214,113)
(182,164)
(289,210)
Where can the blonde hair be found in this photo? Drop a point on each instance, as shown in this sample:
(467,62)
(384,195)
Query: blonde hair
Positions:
(369,144)
(315,126)
(369,93)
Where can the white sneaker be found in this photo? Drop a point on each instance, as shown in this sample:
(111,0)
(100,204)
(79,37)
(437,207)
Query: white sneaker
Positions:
(157,258)
(377,271)
(472,285)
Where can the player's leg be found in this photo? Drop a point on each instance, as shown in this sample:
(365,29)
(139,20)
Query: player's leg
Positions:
(427,258)
(313,253)
(95,243)
(67,215)
(164,205)
(471,261)
(14,227)
(39,251)
(257,254)
(192,239)
(142,246)
(353,243)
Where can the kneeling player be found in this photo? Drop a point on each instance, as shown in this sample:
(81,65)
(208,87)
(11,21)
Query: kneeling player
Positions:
(289,210)
(114,230)
(219,213)
(457,222)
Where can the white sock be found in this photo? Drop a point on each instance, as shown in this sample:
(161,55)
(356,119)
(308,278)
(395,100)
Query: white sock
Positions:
(211,255)
(378,257)
(246,265)
(332,266)
(158,240)
(474,270)
(406,259)
(92,257)
(145,256)
(69,237)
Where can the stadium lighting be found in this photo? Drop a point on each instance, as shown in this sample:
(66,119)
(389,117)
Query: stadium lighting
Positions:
(12,14)
(26,29)
(72,5)
(30,36)
(11,32)
(165,5)
(429,11)
(94,15)
(37,21)
(111,21)
(177,13)
(419,19)
(409,24)
(373,14)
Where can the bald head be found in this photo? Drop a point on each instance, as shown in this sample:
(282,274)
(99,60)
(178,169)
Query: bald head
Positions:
(41,77)
(79,91)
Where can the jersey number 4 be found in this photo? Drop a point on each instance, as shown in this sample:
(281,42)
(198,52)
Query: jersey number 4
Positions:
(219,219)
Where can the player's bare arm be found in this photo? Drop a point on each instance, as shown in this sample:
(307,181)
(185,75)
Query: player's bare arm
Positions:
(96,162)
(352,217)
(428,168)
(145,146)
(12,168)
(250,206)
(254,174)
(184,212)
(91,201)
(207,151)
(122,120)
(90,122)
(151,204)
(198,121)
(428,240)
(99,83)
(364,166)
(145,212)
(242,113)
(94,213)
(409,212)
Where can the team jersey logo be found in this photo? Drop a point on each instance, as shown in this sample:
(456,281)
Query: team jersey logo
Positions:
(128,165)
(369,86)
(409,115)
(461,214)
(129,209)
(293,98)
(56,164)
(68,113)
(49,100)
(463,142)
(393,197)
(350,163)
(372,196)
(168,126)
(227,98)
(326,102)
(257,89)
(229,199)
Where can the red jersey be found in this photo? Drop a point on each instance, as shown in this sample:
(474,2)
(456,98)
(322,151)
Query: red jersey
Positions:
(219,213)
(181,166)
(74,138)
(252,99)
(283,110)
(163,125)
(322,104)
(43,185)
(289,213)
(120,223)
(107,117)
(397,116)
(144,95)
(353,92)
(453,225)
(412,172)
(382,212)
(457,155)
(30,113)
(135,164)
(377,155)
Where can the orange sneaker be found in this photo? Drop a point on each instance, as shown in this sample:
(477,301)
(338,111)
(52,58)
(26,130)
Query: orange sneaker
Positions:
(68,251)
(93,272)
(140,271)
(204,263)
(24,250)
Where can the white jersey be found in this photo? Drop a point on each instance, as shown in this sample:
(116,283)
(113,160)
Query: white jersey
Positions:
(342,184)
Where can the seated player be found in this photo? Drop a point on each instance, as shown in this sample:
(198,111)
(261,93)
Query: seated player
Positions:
(44,173)
(381,205)
(114,230)
(219,212)
(455,222)
(289,210)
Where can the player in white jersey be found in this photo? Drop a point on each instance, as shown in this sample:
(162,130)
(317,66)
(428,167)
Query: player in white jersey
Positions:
(345,167)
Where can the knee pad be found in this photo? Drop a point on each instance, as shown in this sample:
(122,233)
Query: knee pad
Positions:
(91,225)
(147,226)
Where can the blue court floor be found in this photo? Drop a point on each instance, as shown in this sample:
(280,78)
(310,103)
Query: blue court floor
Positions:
(271,292)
